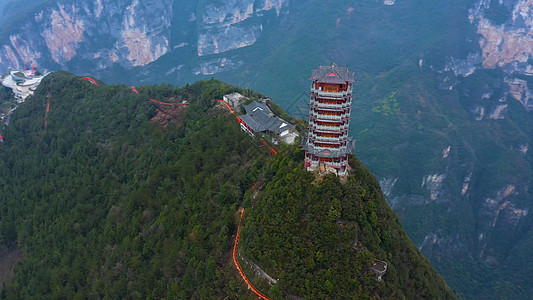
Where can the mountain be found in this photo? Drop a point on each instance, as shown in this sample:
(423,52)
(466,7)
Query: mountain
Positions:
(320,236)
(121,197)
(442,111)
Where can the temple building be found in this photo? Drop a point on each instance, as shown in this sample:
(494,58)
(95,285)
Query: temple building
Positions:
(327,144)
(260,119)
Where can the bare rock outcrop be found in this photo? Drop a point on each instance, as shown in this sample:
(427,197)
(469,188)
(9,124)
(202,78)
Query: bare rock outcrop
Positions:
(509,44)
(136,34)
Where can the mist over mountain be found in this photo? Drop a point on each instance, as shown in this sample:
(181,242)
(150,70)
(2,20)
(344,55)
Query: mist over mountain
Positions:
(442,111)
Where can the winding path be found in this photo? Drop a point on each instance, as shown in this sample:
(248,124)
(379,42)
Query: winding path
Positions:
(236,261)
(90,79)
(159,102)
(46,113)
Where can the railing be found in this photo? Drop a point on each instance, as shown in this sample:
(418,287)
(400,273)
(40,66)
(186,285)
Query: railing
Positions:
(340,135)
(317,104)
(327,117)
(330,128)
(329,111)
(342,148)
(325,139)
(236,261)
(338,139)
(331,117)
(330,141)
(332,164)
(325,94)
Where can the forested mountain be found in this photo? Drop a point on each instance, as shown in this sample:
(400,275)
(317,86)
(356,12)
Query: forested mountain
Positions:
(120,197)
(319,237)
(443,97)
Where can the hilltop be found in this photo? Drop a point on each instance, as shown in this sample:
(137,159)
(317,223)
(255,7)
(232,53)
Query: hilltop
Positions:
(120,197)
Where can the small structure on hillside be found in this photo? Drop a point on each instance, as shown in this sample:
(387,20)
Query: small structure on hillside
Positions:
(234,100)
(260,119)
(327,144)
(379,267)
(23,84)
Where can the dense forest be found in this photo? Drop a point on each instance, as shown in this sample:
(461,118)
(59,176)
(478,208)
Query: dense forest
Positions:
(319,237)
(119,197)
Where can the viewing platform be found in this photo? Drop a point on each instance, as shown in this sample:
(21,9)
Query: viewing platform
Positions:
(379,267)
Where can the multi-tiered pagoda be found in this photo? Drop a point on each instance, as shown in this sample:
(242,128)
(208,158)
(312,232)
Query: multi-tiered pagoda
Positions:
(327,145)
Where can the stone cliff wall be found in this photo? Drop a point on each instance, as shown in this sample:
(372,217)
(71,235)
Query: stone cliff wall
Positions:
(230,25)
(507,43)
(131,32)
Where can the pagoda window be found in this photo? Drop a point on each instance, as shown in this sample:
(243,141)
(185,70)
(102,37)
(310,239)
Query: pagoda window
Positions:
(331,88)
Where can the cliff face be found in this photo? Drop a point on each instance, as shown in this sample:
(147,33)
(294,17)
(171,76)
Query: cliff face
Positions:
(132,33)
(506,29)
(128,32)
(229,25)
(223,25)
(507,43)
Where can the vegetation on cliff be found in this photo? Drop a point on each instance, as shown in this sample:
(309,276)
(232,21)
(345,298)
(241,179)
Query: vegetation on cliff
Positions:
(319,237)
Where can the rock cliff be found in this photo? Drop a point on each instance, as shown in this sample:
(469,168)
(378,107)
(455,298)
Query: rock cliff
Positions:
(132,33)
(222,24)
(128,32)
(506,29)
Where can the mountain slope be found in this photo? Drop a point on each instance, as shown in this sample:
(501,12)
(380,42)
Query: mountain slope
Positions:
(442,112)
(319,238)
(109,202)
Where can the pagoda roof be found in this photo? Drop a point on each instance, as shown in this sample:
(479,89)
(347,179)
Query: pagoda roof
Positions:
(332,152)
(332,74)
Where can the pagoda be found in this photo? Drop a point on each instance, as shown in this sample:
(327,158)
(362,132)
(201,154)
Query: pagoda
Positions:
(327,144)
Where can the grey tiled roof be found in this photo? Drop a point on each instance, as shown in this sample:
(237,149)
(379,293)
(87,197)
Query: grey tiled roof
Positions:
(332,74)
(277,125)
(255,106)
(327,152)
(252,123)
(260,118)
